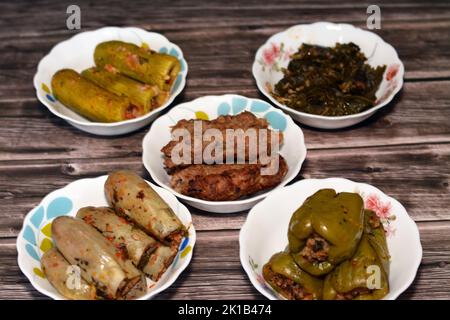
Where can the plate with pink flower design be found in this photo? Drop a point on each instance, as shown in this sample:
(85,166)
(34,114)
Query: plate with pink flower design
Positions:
(275,54)
(265,231)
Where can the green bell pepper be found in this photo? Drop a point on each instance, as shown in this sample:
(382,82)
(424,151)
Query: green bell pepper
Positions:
(336,218)
(377,238)
(285,277)
(366,275)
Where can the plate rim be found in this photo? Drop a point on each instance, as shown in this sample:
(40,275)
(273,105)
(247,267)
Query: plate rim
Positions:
(89,123)
(367,112)
(58,296)
(258,197)
(243,254)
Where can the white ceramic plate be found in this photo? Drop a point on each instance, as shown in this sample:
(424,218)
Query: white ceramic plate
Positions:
(78,53)
(275,54)
(35,237)
(210,107)
(265,231)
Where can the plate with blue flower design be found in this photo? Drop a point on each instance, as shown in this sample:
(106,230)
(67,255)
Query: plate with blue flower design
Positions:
(35,238)
(293,148)
(78,53)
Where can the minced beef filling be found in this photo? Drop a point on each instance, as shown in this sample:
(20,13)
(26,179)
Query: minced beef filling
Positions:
(374,221)
(352,294)
(290,289)
(316,249)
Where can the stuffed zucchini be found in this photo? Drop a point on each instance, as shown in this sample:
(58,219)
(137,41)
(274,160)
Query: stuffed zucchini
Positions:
(138,63)
(91,101)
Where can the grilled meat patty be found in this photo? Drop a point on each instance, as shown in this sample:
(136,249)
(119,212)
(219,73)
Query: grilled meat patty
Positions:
(223,182)
(243,121)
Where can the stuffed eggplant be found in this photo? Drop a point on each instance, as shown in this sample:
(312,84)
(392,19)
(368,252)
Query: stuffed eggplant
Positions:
(101,264)
(138,63)
(133,243)
(57,270)
(326,230)
(159,261)
(133,198)
(91,101)
(143,95)
(289,280)
(146,253)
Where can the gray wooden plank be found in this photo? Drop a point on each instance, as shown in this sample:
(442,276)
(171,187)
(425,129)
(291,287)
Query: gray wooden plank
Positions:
(416,175)
(403,150)
(219,41)
(419,115)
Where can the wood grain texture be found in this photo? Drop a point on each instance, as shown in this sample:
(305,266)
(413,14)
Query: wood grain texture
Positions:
(217,38)
(416,175)
(418,115)
(219,274)
(404,149)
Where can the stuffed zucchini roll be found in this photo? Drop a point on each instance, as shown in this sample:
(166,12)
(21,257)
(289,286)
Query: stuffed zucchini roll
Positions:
(138,63)
(91,101)
(57,270)
(133,198)
(143,95)
(100,262)
(286,277)
(326,230)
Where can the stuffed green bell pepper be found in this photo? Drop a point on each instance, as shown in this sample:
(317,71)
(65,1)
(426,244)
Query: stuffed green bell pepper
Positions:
(326,230)
(285,277)
(377,238)
(365,276)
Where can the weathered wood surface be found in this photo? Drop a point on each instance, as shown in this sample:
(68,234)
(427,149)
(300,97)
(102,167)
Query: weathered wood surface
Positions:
(404,149)
(416,175)
(419,115)
(220,275)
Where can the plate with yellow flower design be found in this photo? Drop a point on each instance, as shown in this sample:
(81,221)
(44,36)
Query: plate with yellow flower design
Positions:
(292,149)
(78,53)
(35,238)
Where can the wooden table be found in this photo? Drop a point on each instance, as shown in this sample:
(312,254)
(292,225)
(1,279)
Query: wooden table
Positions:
(404,149)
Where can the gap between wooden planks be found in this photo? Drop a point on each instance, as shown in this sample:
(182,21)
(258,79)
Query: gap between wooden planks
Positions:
(215,271)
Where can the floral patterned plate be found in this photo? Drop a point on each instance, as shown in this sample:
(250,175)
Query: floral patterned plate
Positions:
(208,108)
(275,55)
(78,53)
(35,237)
(265,230)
